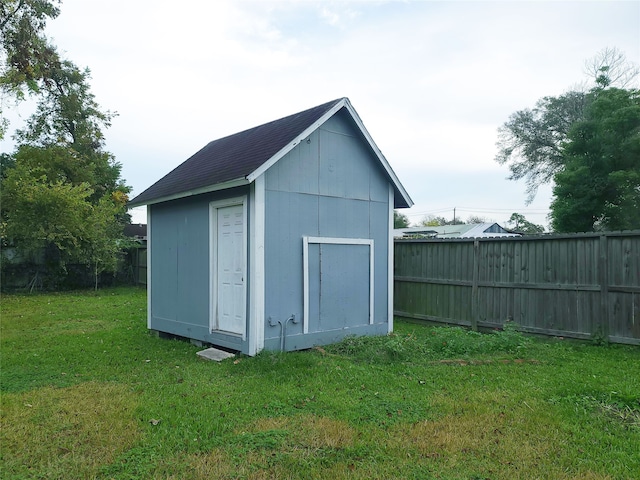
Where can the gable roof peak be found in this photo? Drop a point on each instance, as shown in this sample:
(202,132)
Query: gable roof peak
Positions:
(240,158)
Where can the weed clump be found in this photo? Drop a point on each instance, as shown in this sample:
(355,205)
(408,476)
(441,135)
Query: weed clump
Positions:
(433,343)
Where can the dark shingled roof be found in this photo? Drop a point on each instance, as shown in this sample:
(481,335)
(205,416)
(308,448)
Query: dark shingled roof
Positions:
(233,157)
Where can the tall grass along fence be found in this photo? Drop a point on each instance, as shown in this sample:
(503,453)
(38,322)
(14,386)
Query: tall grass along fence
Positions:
(580,286)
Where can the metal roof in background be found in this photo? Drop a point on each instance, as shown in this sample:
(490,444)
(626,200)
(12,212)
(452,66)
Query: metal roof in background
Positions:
(468,230)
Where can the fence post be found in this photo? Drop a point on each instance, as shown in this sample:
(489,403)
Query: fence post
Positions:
(600,331)
(474,285)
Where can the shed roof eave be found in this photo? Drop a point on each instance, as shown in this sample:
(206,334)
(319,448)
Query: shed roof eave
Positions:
(238,182)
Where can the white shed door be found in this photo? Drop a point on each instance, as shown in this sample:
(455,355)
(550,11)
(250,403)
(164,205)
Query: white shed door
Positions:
(230,270)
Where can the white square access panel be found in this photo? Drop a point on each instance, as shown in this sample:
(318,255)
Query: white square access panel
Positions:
(307,240)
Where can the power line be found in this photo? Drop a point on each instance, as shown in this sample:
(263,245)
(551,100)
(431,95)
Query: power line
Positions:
(533,210)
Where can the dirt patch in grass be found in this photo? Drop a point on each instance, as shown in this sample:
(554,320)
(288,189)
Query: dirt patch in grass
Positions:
(627,415)
(66,432)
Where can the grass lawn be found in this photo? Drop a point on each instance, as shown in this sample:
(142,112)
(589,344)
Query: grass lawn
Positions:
(88,392)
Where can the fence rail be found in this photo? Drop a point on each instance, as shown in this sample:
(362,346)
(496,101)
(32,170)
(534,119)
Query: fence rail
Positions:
(581,286)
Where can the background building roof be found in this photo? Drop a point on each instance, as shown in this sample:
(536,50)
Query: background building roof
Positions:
(470,230)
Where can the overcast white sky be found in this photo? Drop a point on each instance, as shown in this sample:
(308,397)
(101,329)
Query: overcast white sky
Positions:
(432,81)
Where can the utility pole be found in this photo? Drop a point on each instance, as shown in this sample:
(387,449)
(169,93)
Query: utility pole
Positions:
(454,215)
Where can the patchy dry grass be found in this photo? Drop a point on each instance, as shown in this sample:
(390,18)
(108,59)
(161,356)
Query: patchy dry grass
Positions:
(67,432)
(488,429)
(310,431)
(87,392)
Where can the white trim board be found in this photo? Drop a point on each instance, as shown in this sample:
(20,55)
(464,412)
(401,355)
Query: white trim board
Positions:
(256,267)
(149,241)
(305,265)
(390,264)
(238,182)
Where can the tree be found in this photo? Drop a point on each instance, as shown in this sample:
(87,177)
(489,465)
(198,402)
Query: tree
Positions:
(71,206)
(62,162)
(433,221)
(400,220)
(47,206)
(104,239)
(39,211)
(68,116)
(531,141)
(520,224)
(67,112)
(611,68)
(7,162)
(61,192)
(478,219)
(26,58)
(599,187)
(437,221)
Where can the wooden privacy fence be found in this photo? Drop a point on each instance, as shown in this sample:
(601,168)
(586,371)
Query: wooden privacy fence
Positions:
(138,259)
(581,286)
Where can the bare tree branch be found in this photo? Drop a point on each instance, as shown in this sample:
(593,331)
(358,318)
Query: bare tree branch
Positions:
(611,68)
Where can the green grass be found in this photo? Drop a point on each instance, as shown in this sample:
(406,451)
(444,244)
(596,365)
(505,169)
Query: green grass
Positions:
(88,392)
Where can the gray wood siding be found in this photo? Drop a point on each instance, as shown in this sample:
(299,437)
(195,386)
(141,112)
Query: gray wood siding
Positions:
(332,162)
(327,186)
(179,246)
(179,258)
(289,216)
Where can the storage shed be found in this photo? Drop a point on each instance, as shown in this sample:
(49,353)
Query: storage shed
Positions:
(279,237)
